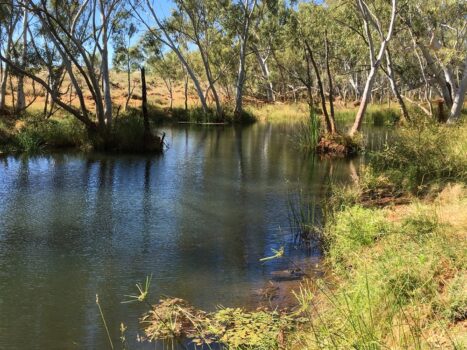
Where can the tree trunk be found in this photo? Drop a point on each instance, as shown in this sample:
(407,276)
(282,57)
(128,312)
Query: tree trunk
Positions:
(395,90)
(240,82)
(266,75)
(320,87)
(105,70)
(186,92)
(332,119)
(21,99)
(436,73)
(147,131)
(3,87)
(364,101)
(459,98)
(128,78)
(375,62)
(170,43)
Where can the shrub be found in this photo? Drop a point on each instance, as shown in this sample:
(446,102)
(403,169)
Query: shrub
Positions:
(424,155)
(309,132)
(29,140)
(128,132)
(37,134)
(384,117)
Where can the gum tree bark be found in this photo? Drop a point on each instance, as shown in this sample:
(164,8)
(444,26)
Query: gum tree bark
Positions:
(20,97)
(248,9)
(332,118)
(4,82)
(263,64)
(375,61)
(320,87)
(459,98)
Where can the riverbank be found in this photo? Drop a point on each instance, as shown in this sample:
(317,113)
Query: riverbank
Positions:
(32,133)
(395,248)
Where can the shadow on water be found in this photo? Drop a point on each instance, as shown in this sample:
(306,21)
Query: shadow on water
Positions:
(198,219)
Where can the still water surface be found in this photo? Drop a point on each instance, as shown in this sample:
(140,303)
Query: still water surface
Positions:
(197,218)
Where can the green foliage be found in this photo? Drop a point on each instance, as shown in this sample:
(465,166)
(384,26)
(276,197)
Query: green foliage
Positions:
(239,329)
(384,117)
(421,224)
(29,140)
(193,115)
(38,134)
(128,133)
(304,218)
(5,134)
(234,328)
(423,155)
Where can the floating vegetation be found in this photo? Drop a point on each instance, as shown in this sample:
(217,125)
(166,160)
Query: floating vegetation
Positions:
(233,328)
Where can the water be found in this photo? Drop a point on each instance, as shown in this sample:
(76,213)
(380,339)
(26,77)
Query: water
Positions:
(197,218)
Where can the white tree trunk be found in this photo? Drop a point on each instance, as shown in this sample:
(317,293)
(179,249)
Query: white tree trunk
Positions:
(3,86)
(170,43)
(241,67)
(21,99)
(266,75)
(375,62)
(105,68)
(459,98)
(395,90)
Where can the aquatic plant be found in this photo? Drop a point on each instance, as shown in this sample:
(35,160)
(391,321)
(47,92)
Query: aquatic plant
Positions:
(305,218)
(309,132)
(232,328)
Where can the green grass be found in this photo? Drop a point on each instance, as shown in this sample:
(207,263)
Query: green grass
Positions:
(400,281)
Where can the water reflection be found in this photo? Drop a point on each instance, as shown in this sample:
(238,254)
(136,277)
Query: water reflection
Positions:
(197,218)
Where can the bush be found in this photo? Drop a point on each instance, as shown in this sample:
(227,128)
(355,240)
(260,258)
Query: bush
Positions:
(128,132)
(456,308)
(384,117)
(37,134)
(128,135)
(424,155)
(29,140)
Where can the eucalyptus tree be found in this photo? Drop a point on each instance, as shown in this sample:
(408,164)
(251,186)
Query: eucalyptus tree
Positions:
(80,32)
(371,19)
(267,34)
(164,32)
(439,31)
(199,23)
(310,30)
(166,66)
(245,10)
(9,17)
(126,56)
(21,98)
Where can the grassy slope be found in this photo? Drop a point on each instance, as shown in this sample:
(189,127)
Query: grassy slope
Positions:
(400,272)
(401,278)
